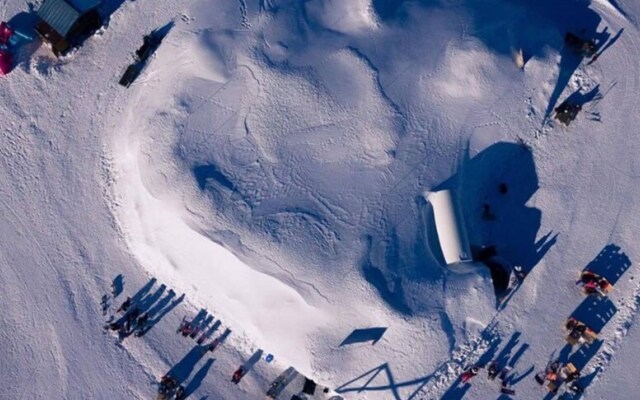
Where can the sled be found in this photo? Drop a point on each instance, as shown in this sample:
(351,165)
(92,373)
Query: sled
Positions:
(508,391)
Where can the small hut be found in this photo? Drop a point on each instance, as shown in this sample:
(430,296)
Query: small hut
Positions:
(63,23)
(450,227)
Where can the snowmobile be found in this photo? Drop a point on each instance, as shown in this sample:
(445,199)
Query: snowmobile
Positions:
(593,283)
(150,44)
(579,332)
(567,112)
(582,47)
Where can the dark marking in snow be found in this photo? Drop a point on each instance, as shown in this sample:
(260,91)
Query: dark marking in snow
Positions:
(206,174)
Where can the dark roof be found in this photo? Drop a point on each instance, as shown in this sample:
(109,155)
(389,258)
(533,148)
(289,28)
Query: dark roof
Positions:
(84,5)
(62,14)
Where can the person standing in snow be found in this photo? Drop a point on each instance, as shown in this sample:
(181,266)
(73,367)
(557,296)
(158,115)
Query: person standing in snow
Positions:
(125,305)
(180,393)
(469,373)
(237,375)
(492,370)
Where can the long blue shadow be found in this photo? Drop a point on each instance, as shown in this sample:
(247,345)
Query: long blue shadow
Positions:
(364,335)
(197,379)
(611,263)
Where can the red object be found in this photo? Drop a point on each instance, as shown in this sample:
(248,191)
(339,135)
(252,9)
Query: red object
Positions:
(5,33)
(466,376)
(6,61)
(590,287)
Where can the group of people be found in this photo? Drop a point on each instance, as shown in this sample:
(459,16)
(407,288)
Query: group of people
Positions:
(556,375)
(169,387)
(132,320)
(493,371)
(593,283)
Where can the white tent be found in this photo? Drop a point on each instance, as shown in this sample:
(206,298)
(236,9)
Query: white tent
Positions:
(450,228)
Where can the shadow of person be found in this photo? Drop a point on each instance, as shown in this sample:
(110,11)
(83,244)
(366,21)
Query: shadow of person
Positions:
(197,379)
(181,371)
(456,391)
(117,285)
(247,366)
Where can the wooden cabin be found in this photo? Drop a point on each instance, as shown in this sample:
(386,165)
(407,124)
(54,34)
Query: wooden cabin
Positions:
(64,23)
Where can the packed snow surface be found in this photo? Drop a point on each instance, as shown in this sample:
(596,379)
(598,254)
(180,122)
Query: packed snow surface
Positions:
(272,165)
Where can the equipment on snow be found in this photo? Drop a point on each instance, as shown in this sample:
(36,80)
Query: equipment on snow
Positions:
(507,391)
(540,378)
(567,112)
